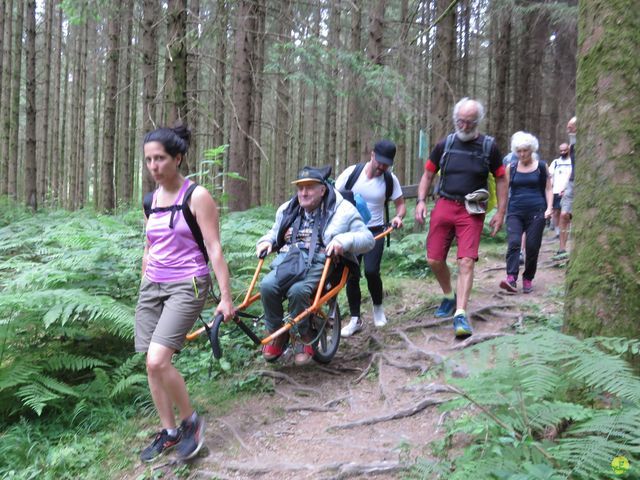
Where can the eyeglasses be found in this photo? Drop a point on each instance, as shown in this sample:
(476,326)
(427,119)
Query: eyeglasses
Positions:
(460,123)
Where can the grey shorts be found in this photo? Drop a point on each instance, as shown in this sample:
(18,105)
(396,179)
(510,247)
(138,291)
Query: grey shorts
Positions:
(566,202)
(166,311)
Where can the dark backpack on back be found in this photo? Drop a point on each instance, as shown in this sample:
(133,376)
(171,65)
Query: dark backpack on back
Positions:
(487,143)
(186,212)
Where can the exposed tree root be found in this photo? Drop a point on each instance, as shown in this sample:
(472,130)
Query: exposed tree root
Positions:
(406,412)
(283,376)
(336,471)
(433,357)
(236,435)
(477,339)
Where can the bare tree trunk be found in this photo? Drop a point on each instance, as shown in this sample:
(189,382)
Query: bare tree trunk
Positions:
(176,66)
(151,17)
(220,92)
(62,116)
(354,115)
(330,133)
(44,177)
(5,93)
(15,104)
(374,55)
(442,94)
(125,179)
(280,192)
(256,154)
(501,45)
(602,289)
(30,176)
(241,104)
(80,155)
(107,200)
(192,111)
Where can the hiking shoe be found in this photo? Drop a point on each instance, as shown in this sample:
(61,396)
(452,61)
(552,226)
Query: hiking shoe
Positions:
(447,307)
(275,348)
(354,326)
(461,327)
(509,284)
(379,319)
(304,354)
(527,286)
(162,443)
(521,260)
(192,437)
(560,255)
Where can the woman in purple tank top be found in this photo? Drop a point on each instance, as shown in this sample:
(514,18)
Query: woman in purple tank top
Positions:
(175,282)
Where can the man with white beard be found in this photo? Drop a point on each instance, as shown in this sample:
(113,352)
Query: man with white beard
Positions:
(465,159)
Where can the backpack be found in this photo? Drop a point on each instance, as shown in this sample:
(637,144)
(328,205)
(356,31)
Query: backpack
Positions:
(186,212)
(388,184)
(542,177)
(487,144)
(360,203)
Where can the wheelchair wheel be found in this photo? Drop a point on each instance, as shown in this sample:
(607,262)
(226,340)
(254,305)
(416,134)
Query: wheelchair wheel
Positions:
(327,323)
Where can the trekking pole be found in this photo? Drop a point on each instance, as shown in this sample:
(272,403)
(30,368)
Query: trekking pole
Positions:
(384,233)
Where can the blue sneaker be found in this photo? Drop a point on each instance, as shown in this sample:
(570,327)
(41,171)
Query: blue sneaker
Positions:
(447,307)
(461,326)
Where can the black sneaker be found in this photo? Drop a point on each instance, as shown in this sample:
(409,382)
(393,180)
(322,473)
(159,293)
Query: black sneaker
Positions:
(160,444)
(192,438)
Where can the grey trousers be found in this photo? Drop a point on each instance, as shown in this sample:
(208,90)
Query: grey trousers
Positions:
(298,295)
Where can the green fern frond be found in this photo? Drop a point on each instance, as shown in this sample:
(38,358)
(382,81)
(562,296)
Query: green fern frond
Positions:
(36,396)
(127,382)
(616,345)
(547,414)
(17,373)
(67,361)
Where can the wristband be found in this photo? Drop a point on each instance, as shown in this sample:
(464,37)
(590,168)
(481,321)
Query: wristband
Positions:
(418,200)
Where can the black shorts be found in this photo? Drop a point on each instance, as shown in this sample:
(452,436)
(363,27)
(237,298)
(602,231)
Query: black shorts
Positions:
(556,201)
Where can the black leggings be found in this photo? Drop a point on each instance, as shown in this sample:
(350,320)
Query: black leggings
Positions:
(372,261)
(529,222)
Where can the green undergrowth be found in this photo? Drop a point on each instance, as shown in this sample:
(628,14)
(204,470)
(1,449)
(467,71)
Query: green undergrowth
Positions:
(74,398)
(541,405)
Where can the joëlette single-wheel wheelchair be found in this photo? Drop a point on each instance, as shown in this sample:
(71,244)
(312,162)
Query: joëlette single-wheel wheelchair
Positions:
(324,312)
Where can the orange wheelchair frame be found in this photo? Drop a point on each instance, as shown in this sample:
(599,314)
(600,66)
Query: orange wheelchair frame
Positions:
(324,313)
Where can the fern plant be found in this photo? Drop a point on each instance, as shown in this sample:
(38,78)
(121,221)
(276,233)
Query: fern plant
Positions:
(549,406)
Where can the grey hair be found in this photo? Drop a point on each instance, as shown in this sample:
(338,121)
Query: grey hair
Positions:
(524,140)
(458,105)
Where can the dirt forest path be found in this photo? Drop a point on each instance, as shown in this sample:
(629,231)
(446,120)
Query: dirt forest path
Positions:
(368,411)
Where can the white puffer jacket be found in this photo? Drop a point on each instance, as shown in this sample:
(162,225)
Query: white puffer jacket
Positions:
(343,224)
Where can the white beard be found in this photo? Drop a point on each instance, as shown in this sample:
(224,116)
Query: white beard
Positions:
(464,136)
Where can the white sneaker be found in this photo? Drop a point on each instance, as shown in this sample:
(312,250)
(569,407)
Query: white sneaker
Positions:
(379,319)
(354,326)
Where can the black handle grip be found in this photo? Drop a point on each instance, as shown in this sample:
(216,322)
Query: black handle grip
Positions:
(213,336)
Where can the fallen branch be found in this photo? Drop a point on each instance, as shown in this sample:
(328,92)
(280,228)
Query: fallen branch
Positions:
(366,370)
(404,413)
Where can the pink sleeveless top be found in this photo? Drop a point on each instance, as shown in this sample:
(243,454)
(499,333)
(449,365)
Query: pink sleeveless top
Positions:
(173,254)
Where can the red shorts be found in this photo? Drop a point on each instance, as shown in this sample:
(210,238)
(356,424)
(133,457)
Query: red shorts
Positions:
(450,219)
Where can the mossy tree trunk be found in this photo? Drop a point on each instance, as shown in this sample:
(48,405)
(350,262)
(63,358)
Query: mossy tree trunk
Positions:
(603,279)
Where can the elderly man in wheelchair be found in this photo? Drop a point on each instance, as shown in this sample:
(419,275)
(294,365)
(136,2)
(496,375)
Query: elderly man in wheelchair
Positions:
(315,223)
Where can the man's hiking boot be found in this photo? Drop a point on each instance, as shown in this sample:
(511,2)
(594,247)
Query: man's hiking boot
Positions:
(527,286)
(447,307)
(275,348)
(461,327)
(304,354)
(161,443)
(379,318)
(509,284)
(351,328)
(192,437)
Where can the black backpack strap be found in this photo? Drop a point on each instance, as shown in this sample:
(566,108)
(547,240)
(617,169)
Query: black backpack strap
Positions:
(388,183)
(443,159)
(147,201)
(353,178)
(191,221)
(542,177)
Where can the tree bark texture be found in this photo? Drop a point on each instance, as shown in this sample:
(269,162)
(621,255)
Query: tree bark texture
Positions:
(5,95)
(150,19)
(14,117)
(241,105)
(30,174)
(603,279)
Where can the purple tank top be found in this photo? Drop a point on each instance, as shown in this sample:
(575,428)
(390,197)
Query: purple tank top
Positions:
(173,253)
